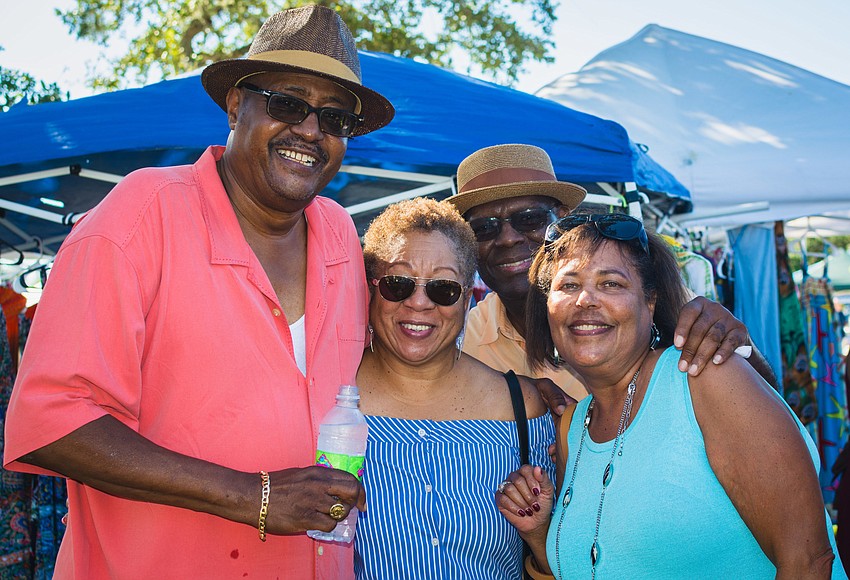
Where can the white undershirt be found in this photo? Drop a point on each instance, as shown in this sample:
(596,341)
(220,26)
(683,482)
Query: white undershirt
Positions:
(299,344)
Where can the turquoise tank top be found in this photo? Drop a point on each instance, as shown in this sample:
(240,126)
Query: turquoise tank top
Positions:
(665,513)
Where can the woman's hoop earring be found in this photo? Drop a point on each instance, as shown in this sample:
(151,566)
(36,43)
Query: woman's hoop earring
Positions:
(371,338)
(654,337)
(556,358)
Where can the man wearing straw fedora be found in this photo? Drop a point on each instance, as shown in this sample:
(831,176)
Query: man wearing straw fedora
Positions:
(509,194)
(196,328)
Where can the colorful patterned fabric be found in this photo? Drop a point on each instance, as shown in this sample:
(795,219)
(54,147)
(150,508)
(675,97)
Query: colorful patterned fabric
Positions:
(31,507)
(696,270)
(15,540)
(48,506)
(825,361)
(12,304)
(48,495)
(798,387)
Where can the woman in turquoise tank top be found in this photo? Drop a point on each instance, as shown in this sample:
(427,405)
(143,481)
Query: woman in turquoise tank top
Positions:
(667,475)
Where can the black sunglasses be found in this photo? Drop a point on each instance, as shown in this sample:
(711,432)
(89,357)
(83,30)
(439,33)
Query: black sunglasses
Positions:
(292,110)
(615,226)
(439,291)
(524,221)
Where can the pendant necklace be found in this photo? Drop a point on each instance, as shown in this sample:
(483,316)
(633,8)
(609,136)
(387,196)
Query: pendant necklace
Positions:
(606,476)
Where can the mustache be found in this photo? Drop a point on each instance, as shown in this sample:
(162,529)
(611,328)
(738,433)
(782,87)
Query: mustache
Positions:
(300,145)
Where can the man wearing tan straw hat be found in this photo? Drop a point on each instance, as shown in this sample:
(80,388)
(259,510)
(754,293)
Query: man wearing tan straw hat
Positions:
(509,194)
(197,327)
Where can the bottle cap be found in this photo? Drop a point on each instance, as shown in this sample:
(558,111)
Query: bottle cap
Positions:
(348,391)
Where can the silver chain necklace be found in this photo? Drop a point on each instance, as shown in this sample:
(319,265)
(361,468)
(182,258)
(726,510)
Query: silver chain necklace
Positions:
(619,440)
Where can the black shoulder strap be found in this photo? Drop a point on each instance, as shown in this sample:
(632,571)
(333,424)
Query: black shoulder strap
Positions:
(518,402)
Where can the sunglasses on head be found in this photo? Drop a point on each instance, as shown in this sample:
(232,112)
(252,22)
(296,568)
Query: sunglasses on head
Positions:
(523,221)
(292,110)
(614,226)
(439,291)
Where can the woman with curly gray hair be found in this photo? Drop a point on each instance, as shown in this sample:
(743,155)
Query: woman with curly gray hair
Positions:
(442,430)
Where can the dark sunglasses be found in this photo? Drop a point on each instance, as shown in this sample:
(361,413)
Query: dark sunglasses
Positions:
(439,291)
(615,226)
(293,110)
(524,221)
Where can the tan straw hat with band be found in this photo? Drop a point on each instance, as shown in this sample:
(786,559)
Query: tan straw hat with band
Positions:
(312,40)
(505,171)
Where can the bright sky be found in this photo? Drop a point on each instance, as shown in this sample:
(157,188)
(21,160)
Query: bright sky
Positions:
(811,34)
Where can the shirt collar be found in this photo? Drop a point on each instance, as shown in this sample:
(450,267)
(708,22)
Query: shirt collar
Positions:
(227,242)
(496,312)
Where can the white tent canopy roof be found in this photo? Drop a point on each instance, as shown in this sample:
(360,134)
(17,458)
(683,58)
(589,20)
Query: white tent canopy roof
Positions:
(734,126)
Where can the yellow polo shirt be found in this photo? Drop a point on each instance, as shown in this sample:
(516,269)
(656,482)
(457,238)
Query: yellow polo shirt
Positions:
(492,339)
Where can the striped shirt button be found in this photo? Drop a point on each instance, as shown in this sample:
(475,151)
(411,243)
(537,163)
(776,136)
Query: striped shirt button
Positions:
(422,432)
(428,488)
(435,542)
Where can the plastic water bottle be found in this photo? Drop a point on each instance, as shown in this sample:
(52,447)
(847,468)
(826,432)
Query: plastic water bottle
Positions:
(342,445)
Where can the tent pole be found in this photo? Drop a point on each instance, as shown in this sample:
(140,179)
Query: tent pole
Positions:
(50,216)
(59,172)
(409,194)
(633,197)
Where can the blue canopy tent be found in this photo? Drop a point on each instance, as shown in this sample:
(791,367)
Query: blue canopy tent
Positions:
(441,117)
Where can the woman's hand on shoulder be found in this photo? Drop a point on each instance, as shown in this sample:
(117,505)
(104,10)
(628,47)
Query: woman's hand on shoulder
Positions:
(525,499)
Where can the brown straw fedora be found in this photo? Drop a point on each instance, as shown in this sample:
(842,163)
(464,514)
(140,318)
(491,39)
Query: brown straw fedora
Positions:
(504,171)
(312,40)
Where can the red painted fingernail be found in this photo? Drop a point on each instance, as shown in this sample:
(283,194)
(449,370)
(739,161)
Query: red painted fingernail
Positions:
(529,511)
(536,506)
(535,491)
(520,513)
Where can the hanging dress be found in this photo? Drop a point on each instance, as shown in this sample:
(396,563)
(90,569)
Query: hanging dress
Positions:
(49,497)
(31,507)
(798,387)
(825,363)
(15,537)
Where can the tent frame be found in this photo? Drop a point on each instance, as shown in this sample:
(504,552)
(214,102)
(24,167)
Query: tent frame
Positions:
(433,184)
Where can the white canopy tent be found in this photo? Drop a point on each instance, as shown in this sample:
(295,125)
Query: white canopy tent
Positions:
(754,139)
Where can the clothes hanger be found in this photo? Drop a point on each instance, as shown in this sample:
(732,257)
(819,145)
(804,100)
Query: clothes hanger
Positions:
(721,262)
(39,268)
(20,255)
(828,248)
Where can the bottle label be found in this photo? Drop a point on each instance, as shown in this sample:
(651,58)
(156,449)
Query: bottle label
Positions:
(353,464)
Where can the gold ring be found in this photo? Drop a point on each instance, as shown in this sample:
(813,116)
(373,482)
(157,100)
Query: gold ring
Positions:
(337,512)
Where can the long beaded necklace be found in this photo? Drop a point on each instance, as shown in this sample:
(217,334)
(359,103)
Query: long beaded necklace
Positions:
(606,476)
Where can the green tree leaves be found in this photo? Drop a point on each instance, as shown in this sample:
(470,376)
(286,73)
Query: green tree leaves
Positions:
(169,37)
(17,85)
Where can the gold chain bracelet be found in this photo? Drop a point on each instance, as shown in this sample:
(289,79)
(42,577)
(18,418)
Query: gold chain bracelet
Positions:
(264,505)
